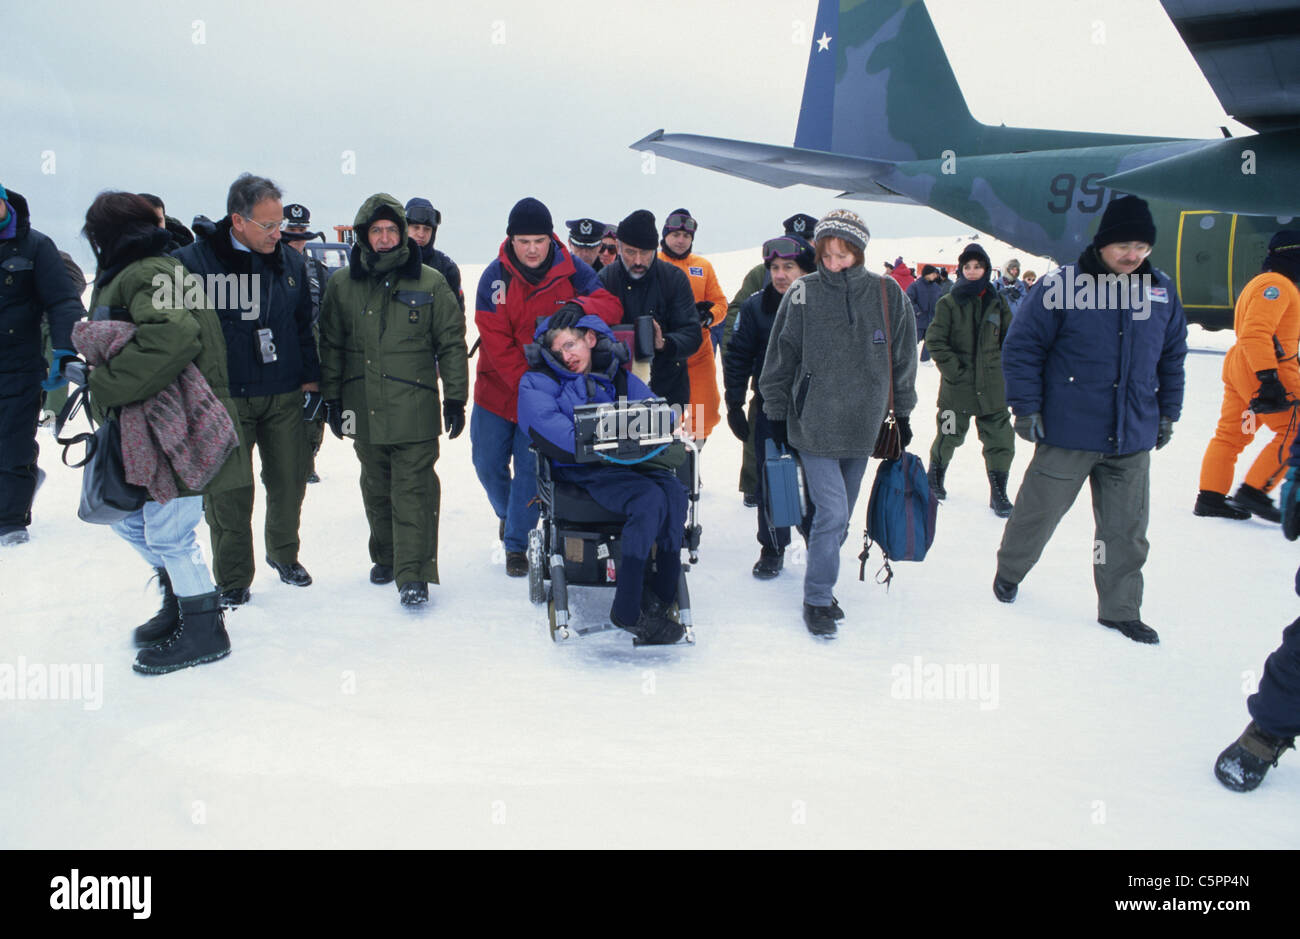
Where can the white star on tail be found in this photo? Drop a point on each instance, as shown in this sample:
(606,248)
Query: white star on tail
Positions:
(823,43)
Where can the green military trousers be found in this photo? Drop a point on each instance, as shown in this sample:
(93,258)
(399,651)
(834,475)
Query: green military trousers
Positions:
(273,424)
(995,432)
(1120,507)
(402,495)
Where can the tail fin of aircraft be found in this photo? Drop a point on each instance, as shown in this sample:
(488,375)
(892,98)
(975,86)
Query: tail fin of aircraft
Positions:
(879,85)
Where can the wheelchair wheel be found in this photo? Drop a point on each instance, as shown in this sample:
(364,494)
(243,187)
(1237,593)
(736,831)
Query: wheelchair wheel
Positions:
(558,633)
(536,567)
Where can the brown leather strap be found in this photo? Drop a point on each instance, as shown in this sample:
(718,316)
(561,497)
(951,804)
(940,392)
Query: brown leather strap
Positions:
(889,345)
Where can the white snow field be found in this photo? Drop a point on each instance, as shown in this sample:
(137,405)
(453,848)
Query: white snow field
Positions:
(341,720)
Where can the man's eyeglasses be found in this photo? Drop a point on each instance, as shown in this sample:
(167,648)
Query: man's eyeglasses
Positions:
(786,248)
(684,223)
(282,224)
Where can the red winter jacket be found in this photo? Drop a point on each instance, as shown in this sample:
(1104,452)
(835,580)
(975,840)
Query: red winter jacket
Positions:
(506,312)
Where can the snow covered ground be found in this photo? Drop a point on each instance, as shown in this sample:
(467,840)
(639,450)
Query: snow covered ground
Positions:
(341,720)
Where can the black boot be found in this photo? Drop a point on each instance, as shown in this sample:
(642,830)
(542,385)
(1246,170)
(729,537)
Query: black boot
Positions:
(651,629)
(1135,629)
(998,500)
(200,638)
(820,620)
(414,593)
(769,564)
(165,621)
(1005,590)
(1241,767)
(382,574)
(1216,505)
(935,476)
(1256,502)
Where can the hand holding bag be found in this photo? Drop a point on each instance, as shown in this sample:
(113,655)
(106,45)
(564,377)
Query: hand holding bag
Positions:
(106,496)
(889,442)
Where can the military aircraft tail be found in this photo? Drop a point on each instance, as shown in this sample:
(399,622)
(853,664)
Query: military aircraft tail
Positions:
(879,86)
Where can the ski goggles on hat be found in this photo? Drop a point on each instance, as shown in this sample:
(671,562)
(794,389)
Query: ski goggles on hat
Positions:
(786,248)
(422,216)
(684,223)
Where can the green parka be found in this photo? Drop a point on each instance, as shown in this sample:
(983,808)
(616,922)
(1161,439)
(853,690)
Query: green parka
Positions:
(168,336)
(965,341)
(389,327)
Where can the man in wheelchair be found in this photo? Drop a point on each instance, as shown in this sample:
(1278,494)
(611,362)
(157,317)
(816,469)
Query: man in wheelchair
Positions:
(579,363)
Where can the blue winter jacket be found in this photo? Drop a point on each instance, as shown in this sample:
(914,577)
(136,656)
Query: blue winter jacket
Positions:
(1101,378)
(549,393)
(925,296)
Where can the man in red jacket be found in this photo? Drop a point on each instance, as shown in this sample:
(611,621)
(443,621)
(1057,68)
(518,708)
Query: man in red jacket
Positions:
(533,276)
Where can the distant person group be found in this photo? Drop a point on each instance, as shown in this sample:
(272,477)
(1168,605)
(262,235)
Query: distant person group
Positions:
(376,352)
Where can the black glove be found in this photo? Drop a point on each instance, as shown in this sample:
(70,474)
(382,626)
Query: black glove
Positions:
(1030,427)
(904,430)
(776,430)
(1165,432)
(312,403)
(453,415)
(738,422)
(566,317)
(334,417)
(1271,397)
(705,309)
(74,370)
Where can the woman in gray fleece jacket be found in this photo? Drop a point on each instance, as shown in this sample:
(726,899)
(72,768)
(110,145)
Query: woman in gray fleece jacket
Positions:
(825,387)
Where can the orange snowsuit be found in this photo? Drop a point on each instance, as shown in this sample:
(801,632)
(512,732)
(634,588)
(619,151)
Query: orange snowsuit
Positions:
(706,401)
(1267,318)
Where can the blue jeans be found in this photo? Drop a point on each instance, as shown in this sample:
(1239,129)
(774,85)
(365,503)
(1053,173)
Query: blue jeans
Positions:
(164,537)
(833,487)
(494,441)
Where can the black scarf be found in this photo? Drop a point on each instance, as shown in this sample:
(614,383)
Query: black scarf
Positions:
(533,275)
(964,289)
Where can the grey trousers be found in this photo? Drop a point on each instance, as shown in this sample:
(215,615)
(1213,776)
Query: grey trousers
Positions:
(833,487)
(1120,508)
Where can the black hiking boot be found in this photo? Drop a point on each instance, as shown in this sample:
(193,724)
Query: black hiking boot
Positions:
(414,593)
(382,574)
(1256,502)
(235,596)
(652,629)
(1241,767)
(517,563)
(1005,590)
(836,613)
(820,620)
(200,638)
(1216,505)
(293,574)
(768,565)
(1135,629)
(998,500)
(164,622)
(935,476)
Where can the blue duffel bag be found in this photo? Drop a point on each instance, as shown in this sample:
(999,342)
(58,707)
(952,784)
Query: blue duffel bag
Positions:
(900,515)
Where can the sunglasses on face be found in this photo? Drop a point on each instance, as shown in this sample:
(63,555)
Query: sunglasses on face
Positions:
(681,223)
(608,249)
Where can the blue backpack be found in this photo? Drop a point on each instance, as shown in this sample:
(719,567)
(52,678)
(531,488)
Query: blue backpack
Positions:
(900,515)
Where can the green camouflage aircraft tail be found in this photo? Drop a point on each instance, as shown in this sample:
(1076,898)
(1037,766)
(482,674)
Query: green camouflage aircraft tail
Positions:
(879,86)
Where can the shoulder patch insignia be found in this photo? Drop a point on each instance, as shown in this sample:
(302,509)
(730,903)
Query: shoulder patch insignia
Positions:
(1158,295)
(697,272)
(1271,293)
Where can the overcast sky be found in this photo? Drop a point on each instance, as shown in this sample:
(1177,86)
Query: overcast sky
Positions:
(475,105)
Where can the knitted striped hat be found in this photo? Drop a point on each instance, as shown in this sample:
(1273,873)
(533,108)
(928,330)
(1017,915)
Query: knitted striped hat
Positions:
(841,223)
